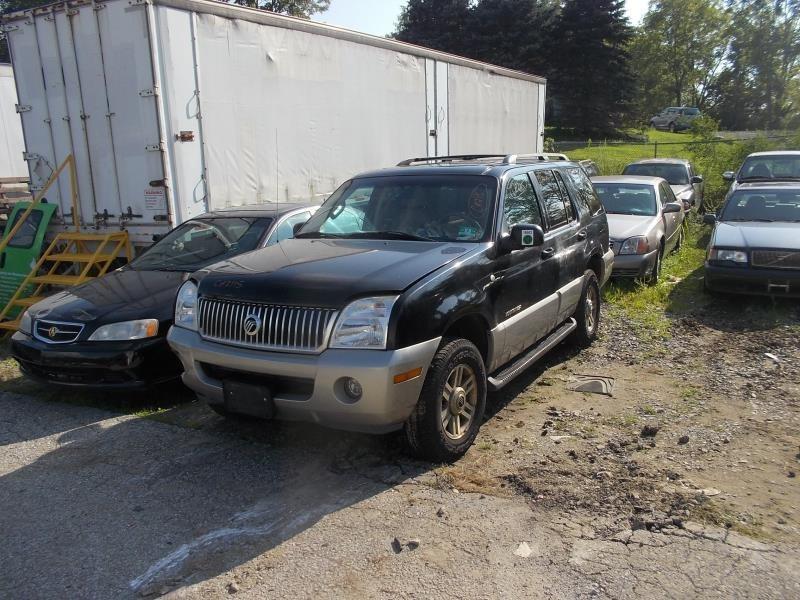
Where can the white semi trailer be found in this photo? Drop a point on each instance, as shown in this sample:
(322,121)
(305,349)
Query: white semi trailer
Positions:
(12,166)
(175,107)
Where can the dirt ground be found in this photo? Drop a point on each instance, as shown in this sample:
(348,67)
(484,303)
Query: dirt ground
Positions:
(681,483)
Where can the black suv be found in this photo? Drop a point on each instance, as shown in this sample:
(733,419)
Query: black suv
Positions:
(408,294)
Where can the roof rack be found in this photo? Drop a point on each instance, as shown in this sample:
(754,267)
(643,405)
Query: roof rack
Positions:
(504,159)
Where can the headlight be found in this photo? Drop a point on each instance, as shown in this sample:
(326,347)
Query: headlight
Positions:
(364,324)
(26,323)
(126,330)
(185,305)
(737,256)
(635,245)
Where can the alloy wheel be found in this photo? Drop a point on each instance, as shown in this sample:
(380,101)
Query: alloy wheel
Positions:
(459,401)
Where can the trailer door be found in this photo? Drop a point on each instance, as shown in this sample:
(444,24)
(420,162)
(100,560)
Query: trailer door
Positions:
(437,108)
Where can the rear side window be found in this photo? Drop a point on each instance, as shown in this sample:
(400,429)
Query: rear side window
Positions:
(554,203)
(586,194)
(521,204)
(565,194)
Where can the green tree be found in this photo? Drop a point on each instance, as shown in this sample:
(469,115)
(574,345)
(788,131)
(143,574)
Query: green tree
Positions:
(295,8)
(439,24)
(679,51)
(591,82)
(9,6)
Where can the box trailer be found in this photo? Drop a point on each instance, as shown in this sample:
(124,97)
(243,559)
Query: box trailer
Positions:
(174,107)
(12,165)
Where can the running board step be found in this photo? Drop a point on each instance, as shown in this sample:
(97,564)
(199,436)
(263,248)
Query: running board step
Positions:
(504,377)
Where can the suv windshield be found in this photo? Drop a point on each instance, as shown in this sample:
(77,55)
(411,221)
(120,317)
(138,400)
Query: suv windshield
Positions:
(675,174)
(409,207)
(200,242)
(759,205)
(785,166)
(627,198)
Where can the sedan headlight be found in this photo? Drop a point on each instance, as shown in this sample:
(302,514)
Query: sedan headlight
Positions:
(26,323)
(185,305)
(722,254)
(126,330)
(635,245)
(364,324)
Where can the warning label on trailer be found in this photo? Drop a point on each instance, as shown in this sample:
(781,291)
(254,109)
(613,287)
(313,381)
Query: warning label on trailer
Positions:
(154,198)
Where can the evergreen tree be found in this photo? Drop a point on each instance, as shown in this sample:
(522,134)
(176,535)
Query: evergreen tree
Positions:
(438,24)
(294,8)
(591,82)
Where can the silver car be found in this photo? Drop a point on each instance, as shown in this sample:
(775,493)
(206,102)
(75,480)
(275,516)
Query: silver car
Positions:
(644,220)
(687,185)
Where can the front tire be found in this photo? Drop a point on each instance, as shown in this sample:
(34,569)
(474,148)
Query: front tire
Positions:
(587,315)
(655,273)
(450,408)
(679,243)
(672,127)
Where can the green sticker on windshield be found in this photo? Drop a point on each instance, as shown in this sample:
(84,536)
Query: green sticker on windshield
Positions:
(468,233)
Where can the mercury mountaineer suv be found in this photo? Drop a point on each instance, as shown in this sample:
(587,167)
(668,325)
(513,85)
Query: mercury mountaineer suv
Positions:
(410,293)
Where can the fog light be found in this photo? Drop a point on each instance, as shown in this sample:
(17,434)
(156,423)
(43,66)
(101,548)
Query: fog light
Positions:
(352,388)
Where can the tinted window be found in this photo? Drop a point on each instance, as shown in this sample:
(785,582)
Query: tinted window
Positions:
(628,198)
(586,193)
(554,204)
(521,204)
(198,243)
(760,205)
(675,174)
(437,207)
(26,235)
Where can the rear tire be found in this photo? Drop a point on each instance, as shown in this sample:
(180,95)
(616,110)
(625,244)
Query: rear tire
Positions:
(450,408)
(587,315)
(655,273)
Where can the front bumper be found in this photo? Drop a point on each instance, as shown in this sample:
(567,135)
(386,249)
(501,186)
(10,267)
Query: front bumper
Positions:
(608,266)
(309,387)
(634,265)
(760,282)
(102,365)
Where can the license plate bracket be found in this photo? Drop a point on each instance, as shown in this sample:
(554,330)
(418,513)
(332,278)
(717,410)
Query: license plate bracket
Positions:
(248,399)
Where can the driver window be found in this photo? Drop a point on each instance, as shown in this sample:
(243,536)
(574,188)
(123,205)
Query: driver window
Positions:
(521,204)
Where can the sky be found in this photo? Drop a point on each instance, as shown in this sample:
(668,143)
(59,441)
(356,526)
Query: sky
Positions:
(379,17)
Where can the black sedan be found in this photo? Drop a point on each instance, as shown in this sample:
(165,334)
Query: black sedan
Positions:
(111,332)
(755,245)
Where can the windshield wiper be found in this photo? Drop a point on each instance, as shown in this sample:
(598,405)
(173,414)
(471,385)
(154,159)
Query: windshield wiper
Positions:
(313,235)
(390,235)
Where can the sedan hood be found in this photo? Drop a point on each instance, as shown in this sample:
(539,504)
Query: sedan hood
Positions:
(622,227)
(749,234)
(123,295)
(327,272)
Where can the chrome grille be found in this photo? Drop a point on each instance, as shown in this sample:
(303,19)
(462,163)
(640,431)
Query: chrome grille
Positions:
(266,326)
(776,259)
(56,332)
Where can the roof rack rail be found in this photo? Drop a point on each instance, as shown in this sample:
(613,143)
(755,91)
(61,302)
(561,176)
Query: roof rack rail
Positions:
(505,159)
(433,159)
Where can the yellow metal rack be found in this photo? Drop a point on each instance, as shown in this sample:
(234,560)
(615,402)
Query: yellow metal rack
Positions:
(72,258)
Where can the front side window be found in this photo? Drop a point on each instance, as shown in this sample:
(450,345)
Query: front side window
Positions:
(26,235)
(200,242)
(667,195)
(675,174)
(761,205)
(521,204)
(628,198)
(554,202)
(446,208)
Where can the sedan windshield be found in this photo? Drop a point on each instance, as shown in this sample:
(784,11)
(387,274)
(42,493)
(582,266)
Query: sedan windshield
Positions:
(675,174)
(763,206)
(200,242)
(627,198)
(786,166)
(409,207)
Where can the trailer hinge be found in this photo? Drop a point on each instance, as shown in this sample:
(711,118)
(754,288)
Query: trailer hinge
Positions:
(21,108)
(30,156)
(137,2)
(161,146)
(7,28)
(149,92)
(35,188)
(98,6)
(67,119)
(50,18)
(71,12)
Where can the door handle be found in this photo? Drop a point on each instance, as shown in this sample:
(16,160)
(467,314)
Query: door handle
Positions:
(548,252)
(582,234)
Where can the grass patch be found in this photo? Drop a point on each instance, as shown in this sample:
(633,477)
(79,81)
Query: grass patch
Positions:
(714,513)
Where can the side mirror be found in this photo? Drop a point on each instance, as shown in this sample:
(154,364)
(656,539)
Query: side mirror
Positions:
(672,207)
(297,227)
(729,175)
(697,179)
(157,237)
(709,219)
(522,235)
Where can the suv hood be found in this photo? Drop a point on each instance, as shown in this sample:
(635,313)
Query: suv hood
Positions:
(753,234)
(327,272)
(622,227)
(123,295)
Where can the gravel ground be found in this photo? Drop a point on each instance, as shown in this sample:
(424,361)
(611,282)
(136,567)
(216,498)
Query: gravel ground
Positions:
(680,484)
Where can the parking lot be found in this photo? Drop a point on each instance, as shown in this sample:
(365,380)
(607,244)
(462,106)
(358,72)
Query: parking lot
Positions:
(682,482)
